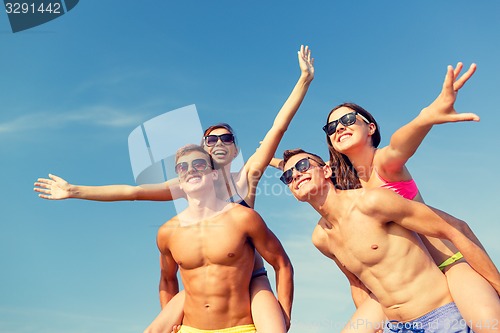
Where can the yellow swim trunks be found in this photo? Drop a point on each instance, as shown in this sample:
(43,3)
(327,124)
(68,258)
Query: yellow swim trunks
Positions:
(454,258)
(237,329)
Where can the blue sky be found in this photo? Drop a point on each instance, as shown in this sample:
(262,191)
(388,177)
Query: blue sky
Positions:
(73,89)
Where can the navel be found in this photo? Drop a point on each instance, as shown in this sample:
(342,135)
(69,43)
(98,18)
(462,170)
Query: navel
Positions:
(230,255)
(374,246)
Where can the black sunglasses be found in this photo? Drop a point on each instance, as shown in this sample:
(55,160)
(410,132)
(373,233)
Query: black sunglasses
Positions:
(347,120)
(198,164)
(301,166)
(211,140)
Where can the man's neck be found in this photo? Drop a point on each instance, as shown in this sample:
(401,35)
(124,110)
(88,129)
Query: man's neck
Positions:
(324,201)
(201,207)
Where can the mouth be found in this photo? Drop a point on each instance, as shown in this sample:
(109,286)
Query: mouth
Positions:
(193,179)
(344,137)
(302,182)
(219,153)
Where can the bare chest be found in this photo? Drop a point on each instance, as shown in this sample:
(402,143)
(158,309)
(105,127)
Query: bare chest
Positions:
(358,244)
(209,244)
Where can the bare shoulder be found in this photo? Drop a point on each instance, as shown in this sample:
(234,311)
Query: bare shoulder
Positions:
(320,239)
(319,236)
(243,212)
(166,228)
(244,218)
(375,200)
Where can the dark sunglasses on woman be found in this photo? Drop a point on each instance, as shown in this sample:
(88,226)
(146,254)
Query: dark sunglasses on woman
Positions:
(347,120)
(211,140)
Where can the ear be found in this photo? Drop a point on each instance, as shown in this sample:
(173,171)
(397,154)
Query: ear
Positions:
(371,128)
(327,171)
(215,174)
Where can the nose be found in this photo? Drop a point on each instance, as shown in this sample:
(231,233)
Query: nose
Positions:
(340,128)
(296,174)
(219,142)
(191,170)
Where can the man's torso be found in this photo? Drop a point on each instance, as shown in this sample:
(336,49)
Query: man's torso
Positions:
(216,261)
(389,259)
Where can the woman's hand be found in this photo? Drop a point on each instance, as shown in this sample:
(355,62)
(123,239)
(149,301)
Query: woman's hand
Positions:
(306,63)
(442,110)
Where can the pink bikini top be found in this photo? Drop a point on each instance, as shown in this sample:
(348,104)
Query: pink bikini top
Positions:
(407,188)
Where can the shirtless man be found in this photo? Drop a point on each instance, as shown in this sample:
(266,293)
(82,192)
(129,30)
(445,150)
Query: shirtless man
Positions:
(371,236)
(213,244)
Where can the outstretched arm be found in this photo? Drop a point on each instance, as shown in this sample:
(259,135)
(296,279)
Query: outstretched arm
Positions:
(405,141)
(270,248)
(435,223)
(56,188)
(258,162)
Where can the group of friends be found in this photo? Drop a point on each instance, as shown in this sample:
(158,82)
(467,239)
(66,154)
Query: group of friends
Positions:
(411,267)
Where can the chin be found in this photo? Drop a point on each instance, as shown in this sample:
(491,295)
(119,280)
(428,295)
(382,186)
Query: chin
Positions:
(220,162)
(339,146)
(301,197)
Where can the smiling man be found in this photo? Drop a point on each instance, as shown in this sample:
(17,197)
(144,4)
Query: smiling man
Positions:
(213,244)
(371,236)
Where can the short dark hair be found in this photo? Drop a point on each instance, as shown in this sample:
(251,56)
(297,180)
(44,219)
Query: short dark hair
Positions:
(184,150)
(287,154)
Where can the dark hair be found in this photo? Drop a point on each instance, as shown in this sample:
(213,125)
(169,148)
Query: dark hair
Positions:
(184,150)
(346,176)
(221,125)
(289,153)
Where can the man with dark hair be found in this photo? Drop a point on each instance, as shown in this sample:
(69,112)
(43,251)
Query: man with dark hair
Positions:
(372,236)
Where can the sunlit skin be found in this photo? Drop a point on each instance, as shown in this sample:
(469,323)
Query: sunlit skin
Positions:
(479,302)
(221,153)
(348,138)
(371,249)
(222,156)
(269,315)
(376,245)
(212,243)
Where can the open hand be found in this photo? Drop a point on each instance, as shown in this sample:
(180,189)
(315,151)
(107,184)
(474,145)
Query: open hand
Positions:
(54,188)
(306,63)
(442,110)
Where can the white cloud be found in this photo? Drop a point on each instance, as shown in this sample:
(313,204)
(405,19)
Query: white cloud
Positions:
(98,115)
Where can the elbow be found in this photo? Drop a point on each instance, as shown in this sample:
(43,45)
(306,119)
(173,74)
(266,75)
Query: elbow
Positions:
(169,283)
(290,270)
(463,228)
(287,267)
(130,193)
